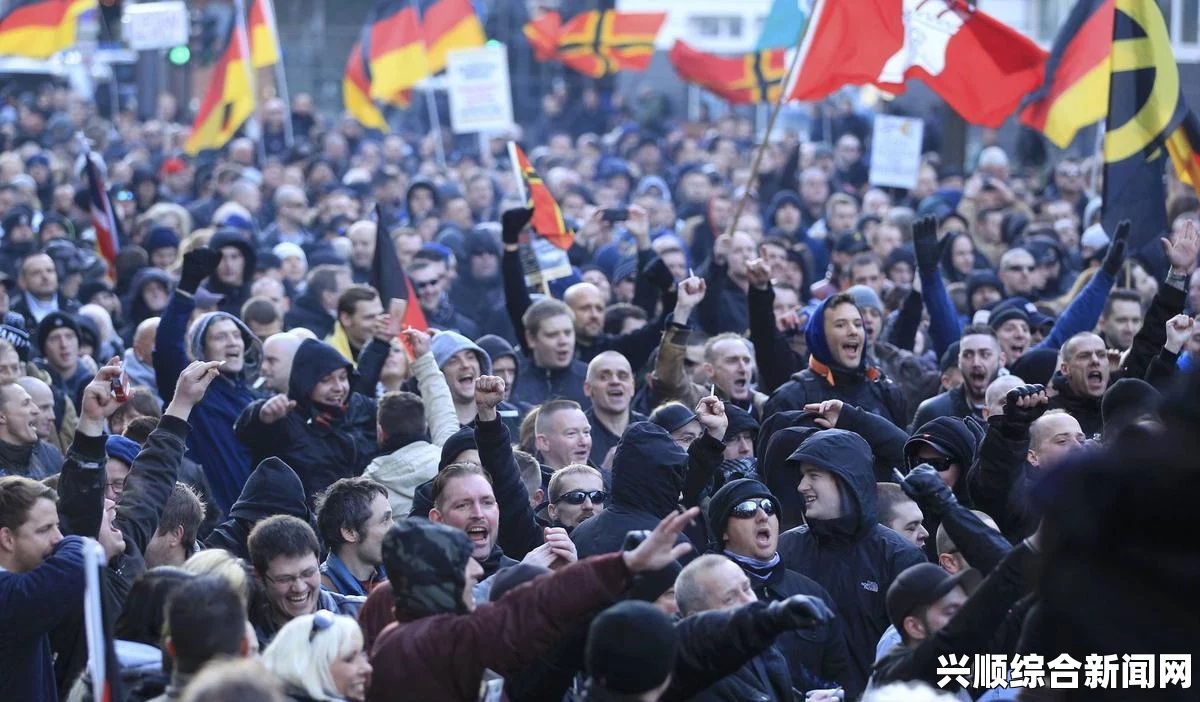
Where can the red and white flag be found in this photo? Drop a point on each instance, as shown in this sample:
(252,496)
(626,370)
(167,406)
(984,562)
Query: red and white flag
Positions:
(981,67)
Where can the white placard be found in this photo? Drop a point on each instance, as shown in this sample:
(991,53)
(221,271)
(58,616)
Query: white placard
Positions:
(896,151)
(479,91)
(155,25)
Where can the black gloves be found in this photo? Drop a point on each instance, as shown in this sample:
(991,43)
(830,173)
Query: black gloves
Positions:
(1116,250)
(928,490)
(512,222)
(1023,415)
(197,265)
(925,243)
(800,612)
(657,274)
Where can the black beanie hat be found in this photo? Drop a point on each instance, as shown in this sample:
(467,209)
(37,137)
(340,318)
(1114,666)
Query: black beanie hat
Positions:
(459,441)
(1125,401)
(631,648)
(739,421)
(650,585)
(722,503)
(52,321)
(954,437)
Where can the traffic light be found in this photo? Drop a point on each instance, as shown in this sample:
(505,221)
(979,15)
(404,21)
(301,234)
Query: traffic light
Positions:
(179,56)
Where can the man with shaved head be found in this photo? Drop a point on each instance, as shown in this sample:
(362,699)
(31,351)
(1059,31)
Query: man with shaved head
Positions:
(609,385)
(278,352)
(1083,364)
(139,358)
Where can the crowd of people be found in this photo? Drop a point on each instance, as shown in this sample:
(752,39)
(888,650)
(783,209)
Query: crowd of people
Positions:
(779,434)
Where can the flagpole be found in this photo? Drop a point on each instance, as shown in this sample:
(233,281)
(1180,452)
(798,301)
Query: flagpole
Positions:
(280,74)
(1108,127)
(783,91)
(435,125)
(248,62)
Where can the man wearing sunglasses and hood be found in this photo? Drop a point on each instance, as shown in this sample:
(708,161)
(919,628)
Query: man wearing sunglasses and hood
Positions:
(743,517)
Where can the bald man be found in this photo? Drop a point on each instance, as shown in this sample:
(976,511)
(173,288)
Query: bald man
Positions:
(609,385)
(278,352)
(139,357)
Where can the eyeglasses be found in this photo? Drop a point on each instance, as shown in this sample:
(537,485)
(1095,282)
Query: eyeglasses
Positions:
(577,497)
(941,464)
(322,620)
(749,508)
(1019,269)
(289,580)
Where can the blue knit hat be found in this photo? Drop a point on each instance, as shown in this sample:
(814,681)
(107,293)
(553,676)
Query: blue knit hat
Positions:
(122,449)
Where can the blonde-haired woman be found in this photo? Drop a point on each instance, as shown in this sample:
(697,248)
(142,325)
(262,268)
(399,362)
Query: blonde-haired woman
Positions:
(320,657)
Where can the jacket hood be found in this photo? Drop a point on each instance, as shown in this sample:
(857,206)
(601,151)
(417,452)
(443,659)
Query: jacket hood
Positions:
(782,477)
(272,488)
(498,347)
(314,360)
(426,565)
(953,437)
(848,457)
(233,237)
(133,303)
(648,470)
(421,183)
(199,328)
(818,345)
(446,344)
(783,197)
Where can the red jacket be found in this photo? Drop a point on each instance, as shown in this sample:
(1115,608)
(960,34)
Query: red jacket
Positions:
(443,657)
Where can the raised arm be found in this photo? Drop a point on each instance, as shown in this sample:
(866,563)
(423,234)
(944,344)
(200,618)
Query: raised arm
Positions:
(435,394)
(670,380)
(1168,302)
(945,328)
(170,345)
(706,453)
(981,545)
(516,295)
(260,425)
(82,480)
(773,355)
(519,530)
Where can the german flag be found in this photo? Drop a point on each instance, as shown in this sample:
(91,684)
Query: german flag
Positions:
(38,29)
(448,25)
(747,79)
(388,277)
(264,36)
(1184,148)
(1145,112)
(394,47)
(228,101)
(547,216)
(1075,92)
(356,92)
(601,43)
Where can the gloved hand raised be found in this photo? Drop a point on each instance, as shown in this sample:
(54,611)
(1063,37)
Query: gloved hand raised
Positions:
(1025,403)
(512,222)
(1116,250)
(801,612)
(197,265)
(925,243)
(927,489)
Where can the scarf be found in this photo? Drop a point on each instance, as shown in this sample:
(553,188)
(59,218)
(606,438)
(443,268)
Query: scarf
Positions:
(17,459)
(328,415)
(758,571)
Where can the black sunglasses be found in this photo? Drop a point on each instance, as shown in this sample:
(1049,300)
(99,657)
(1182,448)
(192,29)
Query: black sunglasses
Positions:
(577,497)
(941,464)
(749,508)
(322,620)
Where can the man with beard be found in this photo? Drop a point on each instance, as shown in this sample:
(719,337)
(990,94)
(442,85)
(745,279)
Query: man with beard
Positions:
(214,336)
(1082,380)
(320,426)
(837,368)
(979,360)
(563,434)
(576,493)
(744,522)
(609,385)
(461,362)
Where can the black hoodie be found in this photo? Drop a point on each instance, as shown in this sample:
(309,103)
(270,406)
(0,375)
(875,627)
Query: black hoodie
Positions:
(325,443)
(474,297)
(235,295)
(853,557)
(273,488)
(648,475)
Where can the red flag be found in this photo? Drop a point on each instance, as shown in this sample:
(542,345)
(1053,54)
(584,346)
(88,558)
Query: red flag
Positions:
(597,43)
(387,276)
(745,79)
(104,218)
(547,217)
(979,66)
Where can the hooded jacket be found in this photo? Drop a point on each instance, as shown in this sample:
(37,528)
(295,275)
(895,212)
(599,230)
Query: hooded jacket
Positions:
(324,443)
(273,488)
(135,307)
(415,460)
(307,312)
(474,297)
(212,443)
(436,650)
(863,387)
(648,474)
(853,557)
(235,295)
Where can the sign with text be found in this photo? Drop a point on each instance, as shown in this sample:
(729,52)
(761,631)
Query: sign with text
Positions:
(896,151)
(155,25)
(479,90)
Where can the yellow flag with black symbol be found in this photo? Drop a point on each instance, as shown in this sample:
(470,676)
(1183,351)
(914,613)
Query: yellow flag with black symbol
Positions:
(1145,107)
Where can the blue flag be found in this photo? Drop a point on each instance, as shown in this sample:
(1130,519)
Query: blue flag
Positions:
(784,24)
